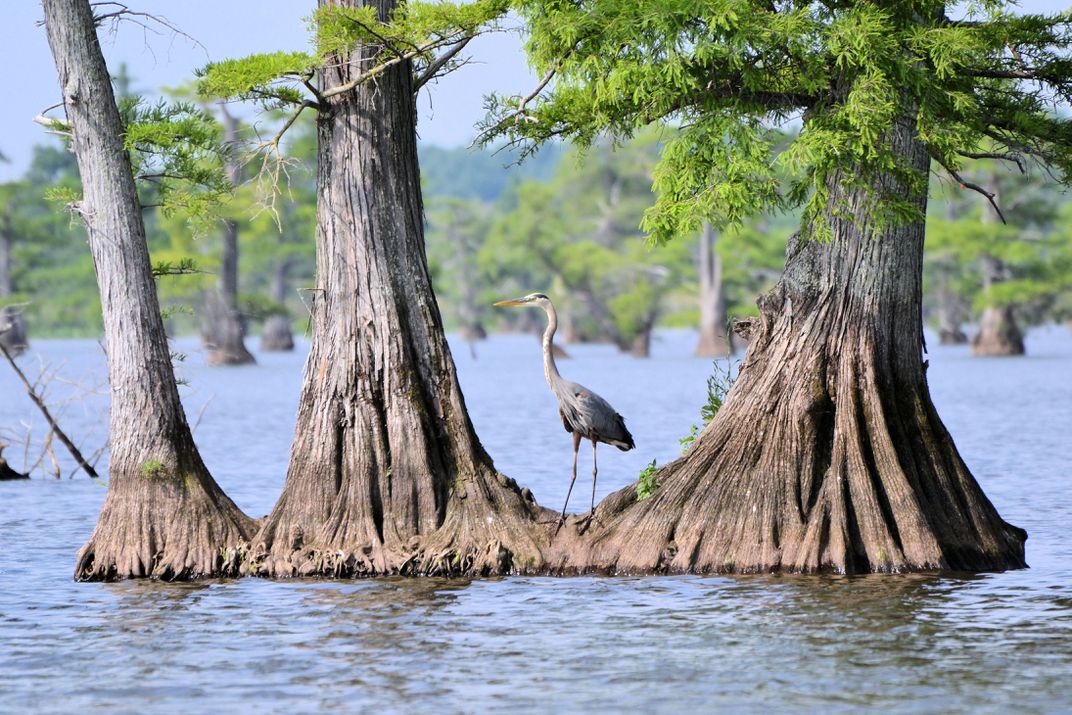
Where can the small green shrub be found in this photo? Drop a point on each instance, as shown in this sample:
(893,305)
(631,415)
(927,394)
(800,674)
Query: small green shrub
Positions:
(646,484)
(718,386)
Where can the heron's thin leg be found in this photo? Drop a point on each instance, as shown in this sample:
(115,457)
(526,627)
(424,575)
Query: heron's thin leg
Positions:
(576,448)
(595,471)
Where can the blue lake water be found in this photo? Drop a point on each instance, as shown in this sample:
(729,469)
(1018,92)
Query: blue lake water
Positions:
(986,643)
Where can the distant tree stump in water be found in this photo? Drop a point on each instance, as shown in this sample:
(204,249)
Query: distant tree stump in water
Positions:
(952,336)
(998,335)
(277,336)
(223,331)
(8,474)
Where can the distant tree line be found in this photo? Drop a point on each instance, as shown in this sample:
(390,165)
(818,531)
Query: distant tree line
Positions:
(563,221)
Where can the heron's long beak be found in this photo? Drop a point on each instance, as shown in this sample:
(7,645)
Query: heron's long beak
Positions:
(516,301)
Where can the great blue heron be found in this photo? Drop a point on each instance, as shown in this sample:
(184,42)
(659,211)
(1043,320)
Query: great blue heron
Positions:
(584,414)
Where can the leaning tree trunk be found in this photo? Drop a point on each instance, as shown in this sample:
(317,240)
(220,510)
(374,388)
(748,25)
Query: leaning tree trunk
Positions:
(277,336)
(164,516)
(999,334)
(12,326)
(828,454)
(223,328)
(714,342)
(386,473)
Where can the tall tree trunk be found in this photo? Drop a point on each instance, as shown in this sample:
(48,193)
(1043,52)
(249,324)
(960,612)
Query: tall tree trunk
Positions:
(277,335)
(164,516)
(223,328)
(999,335)
(713,339)
(828,453)
(386,473)
(12,325)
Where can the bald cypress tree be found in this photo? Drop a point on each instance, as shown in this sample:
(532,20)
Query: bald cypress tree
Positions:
(386,473)
(164,515)
(828,453)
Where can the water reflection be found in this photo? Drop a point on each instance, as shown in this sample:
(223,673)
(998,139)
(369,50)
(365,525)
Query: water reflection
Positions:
(383,637)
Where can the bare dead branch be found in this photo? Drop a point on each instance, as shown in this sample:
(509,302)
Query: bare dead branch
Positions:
(35,397)
(144,20)
(965,184)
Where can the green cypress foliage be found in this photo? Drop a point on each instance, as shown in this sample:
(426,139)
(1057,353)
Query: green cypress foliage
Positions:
(724,73)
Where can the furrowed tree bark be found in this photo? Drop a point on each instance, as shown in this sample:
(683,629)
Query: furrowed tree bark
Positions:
(714,342)
(277,336)
(12,325)
(828,454)
(164,515)
(386,473)
(223,328)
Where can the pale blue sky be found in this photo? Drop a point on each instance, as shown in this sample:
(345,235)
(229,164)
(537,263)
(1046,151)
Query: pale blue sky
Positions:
(232,28)
(447,111)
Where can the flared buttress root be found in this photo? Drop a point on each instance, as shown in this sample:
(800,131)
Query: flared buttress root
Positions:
(849,479)
(172,532)
(490,528)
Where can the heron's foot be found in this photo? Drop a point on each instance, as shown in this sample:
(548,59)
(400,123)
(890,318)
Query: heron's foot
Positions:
(586,522)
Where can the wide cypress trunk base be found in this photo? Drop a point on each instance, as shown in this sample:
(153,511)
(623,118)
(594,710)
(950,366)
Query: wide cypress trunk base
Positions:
(828,454)
(813,465)
(952,336)
(496,533)
(998,335)
(174,525)
(640,345)
(223,333)
(277,336)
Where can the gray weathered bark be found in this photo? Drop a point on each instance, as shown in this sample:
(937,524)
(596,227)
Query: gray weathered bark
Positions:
(164,515)
(713,339)
(223,328)
(828,454)
(386,473)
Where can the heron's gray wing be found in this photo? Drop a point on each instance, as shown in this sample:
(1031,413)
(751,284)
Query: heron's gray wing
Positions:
(593,417)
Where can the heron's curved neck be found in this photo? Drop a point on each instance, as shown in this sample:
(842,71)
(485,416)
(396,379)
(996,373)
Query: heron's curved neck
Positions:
(550,370)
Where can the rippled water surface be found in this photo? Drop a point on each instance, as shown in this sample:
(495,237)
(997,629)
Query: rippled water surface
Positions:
(987,643)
